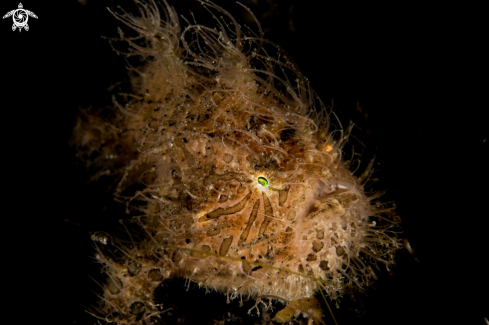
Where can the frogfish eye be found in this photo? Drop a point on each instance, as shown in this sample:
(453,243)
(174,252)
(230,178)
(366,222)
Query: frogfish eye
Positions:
(263,181)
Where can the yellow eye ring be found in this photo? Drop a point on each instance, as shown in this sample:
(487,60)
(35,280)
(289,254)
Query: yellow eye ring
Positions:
(263,181)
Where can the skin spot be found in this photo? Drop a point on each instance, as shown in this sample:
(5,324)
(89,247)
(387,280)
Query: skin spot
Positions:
(226,211)
(340,251)
(253,216)
(317,246)
(227,158)
(311,257)
(320,233)
(155,275)
(286,236)
(268,212)
(226,243)
(137,308)
(246,267)
(323,265)
(291,215)
(115,285)
(176,258)
(256,268)
(133,268)
(204,248)
(282,195)
(301,269)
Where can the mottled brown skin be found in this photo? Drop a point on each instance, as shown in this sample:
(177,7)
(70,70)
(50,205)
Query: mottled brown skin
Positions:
(196,134)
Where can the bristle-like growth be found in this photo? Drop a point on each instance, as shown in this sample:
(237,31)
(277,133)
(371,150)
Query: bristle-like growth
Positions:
(240,183)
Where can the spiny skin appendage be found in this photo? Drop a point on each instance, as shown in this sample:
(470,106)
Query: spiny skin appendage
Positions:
(244,188)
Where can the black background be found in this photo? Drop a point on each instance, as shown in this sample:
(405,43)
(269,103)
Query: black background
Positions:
(419,73)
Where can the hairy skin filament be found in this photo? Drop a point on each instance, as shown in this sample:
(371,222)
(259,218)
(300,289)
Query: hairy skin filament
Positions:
(230,165)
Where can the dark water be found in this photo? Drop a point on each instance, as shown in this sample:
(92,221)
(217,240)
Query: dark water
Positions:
(410,69)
